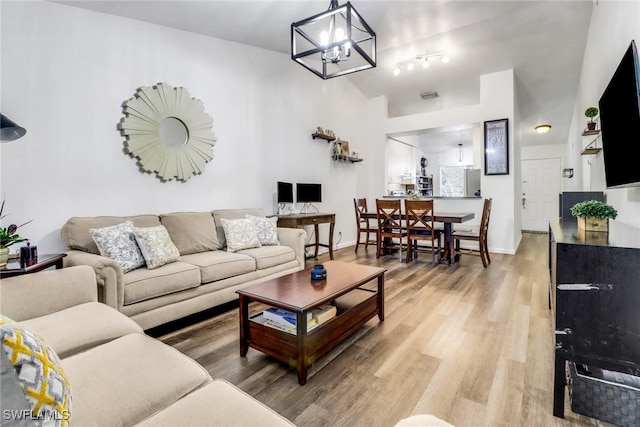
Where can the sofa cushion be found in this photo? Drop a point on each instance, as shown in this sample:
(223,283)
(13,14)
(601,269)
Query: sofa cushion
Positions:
(85,325)
(269,256)
(240,234)
(266,229)
(126,380)
(119,243)
(143,284)
(38,370)
(231,214)
(191,232)
(217,404)
(75,232)
(218,265)
(156,246)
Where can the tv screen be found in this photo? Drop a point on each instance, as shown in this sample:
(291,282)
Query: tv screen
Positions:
(285,192)
(620,122)
(308,193)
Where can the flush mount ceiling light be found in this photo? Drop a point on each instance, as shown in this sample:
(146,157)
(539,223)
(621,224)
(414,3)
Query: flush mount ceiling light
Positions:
(423,59)
(543,128)
(334,43)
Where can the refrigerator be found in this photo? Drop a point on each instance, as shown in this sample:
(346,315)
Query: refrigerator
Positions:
(472,182)
(457,181)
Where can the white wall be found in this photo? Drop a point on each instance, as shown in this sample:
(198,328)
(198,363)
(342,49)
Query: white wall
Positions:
(497,101)
(66,72)
(613,25)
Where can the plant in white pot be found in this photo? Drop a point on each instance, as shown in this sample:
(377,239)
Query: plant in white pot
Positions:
(590,113)
(593,215)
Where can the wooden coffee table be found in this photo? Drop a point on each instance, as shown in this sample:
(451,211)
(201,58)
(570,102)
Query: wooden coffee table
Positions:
(297,293)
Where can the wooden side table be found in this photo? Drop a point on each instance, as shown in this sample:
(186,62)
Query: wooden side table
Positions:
(301,220)
(45,261)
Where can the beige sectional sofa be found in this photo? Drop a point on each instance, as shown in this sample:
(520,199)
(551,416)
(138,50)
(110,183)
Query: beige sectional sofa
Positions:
(205,276)
(117,375)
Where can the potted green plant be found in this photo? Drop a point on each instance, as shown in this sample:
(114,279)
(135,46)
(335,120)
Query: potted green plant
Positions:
(8,237)
(593,215)
(591,112)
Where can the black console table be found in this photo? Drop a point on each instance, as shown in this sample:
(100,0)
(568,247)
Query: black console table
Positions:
(594,292)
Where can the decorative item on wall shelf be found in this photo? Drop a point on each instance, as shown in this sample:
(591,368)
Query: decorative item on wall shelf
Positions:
(327,135)
(593,215)
(590,113)
(168,132)
(340,150)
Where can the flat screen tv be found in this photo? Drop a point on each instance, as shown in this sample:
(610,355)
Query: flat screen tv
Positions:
(620,122)
(308,193)
(285,192)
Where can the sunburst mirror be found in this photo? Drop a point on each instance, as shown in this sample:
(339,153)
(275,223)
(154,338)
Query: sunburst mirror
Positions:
(168,132)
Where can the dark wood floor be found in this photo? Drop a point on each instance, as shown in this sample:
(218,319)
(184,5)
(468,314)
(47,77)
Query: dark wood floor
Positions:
(469,344)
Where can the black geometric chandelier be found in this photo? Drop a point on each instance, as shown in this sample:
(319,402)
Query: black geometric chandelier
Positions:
(334,43)
(9,131)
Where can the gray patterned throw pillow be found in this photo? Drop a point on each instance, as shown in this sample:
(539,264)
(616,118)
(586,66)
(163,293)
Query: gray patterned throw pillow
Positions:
(118,243)
(266,229)
(240,234)
(156,246)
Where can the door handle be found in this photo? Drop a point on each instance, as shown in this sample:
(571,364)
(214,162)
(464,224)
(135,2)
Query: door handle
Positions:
(524,201)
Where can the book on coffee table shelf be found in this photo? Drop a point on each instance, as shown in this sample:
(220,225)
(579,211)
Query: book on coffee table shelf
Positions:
(324,313)
(311,325)
(283,317)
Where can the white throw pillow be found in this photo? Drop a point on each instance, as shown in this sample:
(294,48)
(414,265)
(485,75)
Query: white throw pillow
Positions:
(156,246)
(240,234)
(119,243)
(266,229)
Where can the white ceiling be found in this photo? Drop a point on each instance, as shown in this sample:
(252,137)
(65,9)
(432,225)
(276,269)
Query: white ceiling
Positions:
(543,41)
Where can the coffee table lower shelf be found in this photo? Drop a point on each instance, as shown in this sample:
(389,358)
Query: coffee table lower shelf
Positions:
(302,350)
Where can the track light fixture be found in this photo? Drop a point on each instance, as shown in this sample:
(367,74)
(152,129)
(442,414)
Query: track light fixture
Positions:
(424,59)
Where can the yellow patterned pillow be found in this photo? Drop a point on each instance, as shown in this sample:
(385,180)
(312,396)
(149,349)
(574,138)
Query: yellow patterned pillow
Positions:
(38,371)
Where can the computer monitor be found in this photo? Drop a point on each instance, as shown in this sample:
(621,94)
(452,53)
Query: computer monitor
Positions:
(308,193)
(285,192)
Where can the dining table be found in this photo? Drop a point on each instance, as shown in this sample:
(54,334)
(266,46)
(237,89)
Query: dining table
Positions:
(448,255)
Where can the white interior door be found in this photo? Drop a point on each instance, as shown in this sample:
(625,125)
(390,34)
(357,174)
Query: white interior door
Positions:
(540,188)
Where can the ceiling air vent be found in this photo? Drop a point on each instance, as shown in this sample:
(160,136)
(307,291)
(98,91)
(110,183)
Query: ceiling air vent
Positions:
(429,95)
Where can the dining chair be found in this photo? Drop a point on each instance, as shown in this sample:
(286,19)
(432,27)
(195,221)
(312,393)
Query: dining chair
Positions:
(419,221)
(479,236)
(364,226)
(389,215)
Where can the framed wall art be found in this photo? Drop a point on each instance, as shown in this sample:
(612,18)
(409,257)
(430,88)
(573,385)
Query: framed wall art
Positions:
(496,147)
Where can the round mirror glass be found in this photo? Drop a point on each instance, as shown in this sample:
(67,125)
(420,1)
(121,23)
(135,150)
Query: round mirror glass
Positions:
(173,132)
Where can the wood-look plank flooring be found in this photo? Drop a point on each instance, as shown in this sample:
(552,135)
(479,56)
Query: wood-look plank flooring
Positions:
(471,345)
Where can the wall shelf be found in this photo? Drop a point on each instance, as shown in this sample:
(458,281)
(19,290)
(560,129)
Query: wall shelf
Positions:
(323,136)
(590,149)
(351,159)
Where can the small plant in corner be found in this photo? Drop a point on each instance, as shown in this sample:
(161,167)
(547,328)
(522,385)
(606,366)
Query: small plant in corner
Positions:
(591,112)
(593,209)
(8,235)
